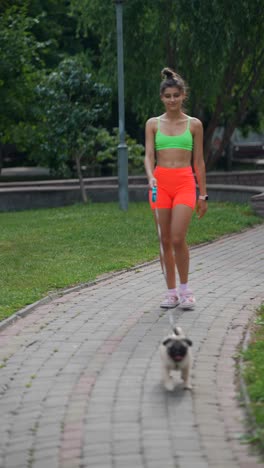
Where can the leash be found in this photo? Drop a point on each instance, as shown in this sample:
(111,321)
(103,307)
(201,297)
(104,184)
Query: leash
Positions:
(171,319)
(163,266)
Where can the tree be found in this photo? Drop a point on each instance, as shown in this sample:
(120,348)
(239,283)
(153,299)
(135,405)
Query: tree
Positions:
(71,104)
(217,46)
(34,37)
(53,26)
(104,146)
(235,66)
(19,72)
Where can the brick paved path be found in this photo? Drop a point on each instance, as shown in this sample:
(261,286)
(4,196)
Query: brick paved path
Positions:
(80,376)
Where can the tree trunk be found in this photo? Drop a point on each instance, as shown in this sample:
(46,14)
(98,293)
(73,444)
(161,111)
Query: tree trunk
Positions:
(242,95)
(229,79)
(214,122)
(228,132)
(79,172)
(1,160)
(238,116)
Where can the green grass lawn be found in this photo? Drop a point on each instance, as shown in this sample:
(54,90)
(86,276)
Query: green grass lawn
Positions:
(44,250)
(254,377)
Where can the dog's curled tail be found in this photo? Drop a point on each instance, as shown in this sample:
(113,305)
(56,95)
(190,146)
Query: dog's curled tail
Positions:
(178,331)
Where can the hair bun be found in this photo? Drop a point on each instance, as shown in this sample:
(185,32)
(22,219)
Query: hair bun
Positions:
(170,78)
(167,73)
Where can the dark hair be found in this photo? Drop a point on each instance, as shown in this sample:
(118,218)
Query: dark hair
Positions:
(171,79)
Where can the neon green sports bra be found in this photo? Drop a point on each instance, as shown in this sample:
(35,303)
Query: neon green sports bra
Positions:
(182,141)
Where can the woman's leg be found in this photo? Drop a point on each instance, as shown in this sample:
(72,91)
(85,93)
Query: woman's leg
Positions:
(163,222)
(180,220)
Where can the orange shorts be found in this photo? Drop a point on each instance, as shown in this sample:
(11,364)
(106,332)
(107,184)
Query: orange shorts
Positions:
(175,186)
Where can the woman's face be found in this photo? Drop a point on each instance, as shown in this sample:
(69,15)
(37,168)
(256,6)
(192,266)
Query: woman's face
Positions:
(172,98)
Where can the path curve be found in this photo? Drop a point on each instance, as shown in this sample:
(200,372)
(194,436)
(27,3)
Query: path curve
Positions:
(80,375)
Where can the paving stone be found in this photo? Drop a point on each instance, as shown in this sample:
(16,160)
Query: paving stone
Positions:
(47,462)
(16,460)
(98,461)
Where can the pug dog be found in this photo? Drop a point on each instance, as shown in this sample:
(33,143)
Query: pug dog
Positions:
(176,355)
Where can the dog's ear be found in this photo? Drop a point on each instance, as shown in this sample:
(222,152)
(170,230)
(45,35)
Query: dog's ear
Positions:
(188,341)
(167,341)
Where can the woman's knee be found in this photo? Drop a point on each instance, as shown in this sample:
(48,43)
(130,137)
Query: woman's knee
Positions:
(178,241)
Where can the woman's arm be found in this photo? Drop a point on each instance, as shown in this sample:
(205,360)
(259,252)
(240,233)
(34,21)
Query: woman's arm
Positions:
(149,160)
(199,165)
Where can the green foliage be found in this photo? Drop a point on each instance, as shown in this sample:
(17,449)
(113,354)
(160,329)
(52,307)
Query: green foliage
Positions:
(71,105)
(53,25)
(33,34)
(57,28)
(254,376)
(199,41)
(19,71)
(216,45)
(104,147)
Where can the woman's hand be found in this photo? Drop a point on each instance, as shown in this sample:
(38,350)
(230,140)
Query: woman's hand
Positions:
(152,182)
(201,208)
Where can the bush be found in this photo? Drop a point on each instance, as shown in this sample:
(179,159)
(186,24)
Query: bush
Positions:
(104,147)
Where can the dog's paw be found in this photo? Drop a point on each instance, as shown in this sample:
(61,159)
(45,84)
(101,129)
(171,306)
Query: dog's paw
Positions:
(169,385)
(187,386)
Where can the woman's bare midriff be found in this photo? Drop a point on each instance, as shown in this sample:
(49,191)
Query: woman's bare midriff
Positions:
(174,158)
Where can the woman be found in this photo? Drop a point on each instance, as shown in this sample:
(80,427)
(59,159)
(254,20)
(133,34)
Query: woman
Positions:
(175,140)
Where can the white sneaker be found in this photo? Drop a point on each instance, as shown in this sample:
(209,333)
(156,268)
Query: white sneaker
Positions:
(187,299)
(170,301)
